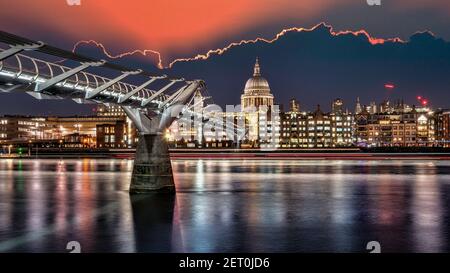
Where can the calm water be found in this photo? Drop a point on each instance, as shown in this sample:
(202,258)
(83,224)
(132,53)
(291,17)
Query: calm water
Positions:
(227,206)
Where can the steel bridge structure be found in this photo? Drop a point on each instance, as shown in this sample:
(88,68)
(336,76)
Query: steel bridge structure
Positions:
(152,104)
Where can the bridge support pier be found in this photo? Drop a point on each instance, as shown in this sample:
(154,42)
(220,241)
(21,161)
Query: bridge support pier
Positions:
(152,170)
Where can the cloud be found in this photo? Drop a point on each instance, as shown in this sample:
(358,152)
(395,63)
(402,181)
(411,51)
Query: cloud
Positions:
(160,63)
(220,51)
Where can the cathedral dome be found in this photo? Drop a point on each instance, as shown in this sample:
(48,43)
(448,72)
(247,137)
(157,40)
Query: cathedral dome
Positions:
(257,85)
(257,91)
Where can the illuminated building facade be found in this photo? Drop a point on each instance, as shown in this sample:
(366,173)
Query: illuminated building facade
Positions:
(112,135)
(443,128)
(317,129)
(379,130)
(342,125)
(112,110)
(112,140)
(24,128)
(396,126)
(77,131)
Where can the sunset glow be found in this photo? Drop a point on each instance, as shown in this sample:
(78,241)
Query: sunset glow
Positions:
(171,27)
(160,24)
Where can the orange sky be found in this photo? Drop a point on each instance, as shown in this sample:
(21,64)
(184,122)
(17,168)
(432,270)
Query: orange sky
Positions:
(173,25)
(156,24)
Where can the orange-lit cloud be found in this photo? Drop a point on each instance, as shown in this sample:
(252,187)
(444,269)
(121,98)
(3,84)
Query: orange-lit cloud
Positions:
(219,51)
(176,27)
(144,52)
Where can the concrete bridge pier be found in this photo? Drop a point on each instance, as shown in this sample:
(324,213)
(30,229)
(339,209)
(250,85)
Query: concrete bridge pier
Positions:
(152,170)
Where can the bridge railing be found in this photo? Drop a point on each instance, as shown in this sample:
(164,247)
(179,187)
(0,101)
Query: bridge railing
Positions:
(34,70)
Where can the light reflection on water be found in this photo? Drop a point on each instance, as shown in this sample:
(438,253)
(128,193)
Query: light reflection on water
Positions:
(227,206)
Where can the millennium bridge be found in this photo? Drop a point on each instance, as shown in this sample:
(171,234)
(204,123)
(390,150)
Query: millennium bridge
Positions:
(151,105)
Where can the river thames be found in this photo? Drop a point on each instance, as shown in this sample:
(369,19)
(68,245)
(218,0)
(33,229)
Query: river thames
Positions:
(227,206)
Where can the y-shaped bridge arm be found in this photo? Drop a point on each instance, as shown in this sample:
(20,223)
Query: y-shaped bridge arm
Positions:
(98,90)
(157,94)
(173,96)
(63,76)
(125,97)
(158,123)
(13,50)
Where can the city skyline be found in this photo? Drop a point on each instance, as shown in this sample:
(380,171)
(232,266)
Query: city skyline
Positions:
(257,123)
(348,106)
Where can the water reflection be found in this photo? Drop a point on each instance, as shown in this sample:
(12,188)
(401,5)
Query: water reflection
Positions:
(428,224)
(226,206)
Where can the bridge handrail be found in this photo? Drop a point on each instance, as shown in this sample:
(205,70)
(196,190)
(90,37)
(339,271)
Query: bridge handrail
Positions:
(38,74)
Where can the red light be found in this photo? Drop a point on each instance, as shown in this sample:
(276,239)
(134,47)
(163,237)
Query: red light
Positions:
(419,97)
(389,86)
(424,102)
